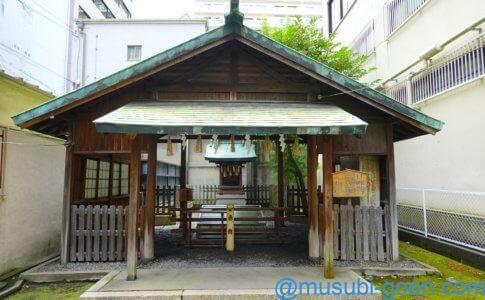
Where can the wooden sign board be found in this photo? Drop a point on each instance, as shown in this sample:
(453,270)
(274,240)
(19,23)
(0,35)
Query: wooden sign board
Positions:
(350,183)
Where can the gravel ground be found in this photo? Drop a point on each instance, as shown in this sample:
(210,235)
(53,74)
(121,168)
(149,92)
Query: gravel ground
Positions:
(171,253)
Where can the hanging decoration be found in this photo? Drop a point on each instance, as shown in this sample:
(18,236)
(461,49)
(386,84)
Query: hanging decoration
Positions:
(184,141)
(247,142)
(215,142)
(230,170)
(282,142)
(169,146)
(198,144)
(266,147)
(296,147)
(233,145)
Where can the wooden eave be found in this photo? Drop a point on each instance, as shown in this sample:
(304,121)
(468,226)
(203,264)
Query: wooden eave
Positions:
(232,30)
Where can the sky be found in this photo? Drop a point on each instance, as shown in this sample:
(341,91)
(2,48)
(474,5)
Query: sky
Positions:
(145,9)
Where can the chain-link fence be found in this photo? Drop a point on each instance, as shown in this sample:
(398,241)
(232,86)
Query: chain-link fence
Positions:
(454,216)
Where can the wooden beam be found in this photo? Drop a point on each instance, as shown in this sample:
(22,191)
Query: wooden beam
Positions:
(126,82)
(132,251)
(66,202)
(335,85)
(151,184)
(312,157)
(328,203)
(391,181)
(281,178)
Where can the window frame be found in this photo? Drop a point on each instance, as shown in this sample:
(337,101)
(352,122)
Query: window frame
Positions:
(110,179)
(128,52)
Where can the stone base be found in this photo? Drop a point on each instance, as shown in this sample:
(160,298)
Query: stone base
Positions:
(236,199)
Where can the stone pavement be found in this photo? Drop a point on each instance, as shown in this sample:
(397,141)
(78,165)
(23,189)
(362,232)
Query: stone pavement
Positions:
(224,283)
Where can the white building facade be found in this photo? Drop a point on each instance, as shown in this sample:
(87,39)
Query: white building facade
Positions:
(276,12)
(430,55)
(109,45)
(39,39)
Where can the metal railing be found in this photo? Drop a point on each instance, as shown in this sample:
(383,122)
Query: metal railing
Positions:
(459,66)
(364,44)
(398,11)
(453,216)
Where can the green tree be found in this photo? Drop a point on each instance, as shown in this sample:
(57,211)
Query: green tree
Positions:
(309,40)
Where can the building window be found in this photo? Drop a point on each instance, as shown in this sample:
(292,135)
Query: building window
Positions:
(120,179)
(104,9)
(103,179)
(133,52)
(121,3)
(398,11)
(337,10)
(97,177)
(82,14)
(116,180)
(363,44)
(2,147)
(124,181)
(90,179)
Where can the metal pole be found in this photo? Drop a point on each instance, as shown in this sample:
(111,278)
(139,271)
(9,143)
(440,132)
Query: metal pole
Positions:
(424,213)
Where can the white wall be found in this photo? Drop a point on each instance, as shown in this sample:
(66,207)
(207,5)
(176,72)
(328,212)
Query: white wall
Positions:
(33,41)
(106,42)
(432,24)
(453,158)
(30,210)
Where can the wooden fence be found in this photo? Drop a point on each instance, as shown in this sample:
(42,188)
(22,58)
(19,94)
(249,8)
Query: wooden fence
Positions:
(257,195)
(361,233)
(97,233)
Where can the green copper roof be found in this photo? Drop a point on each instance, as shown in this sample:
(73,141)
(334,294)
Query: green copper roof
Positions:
(229,117)
(233,27)
(223,152)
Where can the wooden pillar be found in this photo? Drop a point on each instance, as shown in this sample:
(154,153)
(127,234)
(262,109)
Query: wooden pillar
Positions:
(183,186)
(312,157)
(281,179)
(327,203)
(183,167)
(132,251)
(151,185)
(66,202)
(391,181)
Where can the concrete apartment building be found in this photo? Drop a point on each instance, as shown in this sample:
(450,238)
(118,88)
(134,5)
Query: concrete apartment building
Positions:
(429,55)
(277,12)
(36,39)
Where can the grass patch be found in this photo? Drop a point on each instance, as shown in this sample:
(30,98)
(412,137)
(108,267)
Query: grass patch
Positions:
(451,271)
(51,291)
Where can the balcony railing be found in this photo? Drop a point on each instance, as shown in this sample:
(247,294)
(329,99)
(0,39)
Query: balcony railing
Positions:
(363,44)
(457,67)
(398,11)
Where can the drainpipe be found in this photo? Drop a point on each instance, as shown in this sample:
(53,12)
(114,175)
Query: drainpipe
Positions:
(81,66)
(70,36)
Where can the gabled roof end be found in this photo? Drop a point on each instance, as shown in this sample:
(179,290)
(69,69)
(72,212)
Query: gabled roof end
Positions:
(234,15)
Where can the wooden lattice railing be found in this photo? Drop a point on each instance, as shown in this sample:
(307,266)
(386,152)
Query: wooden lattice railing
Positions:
(97,233)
